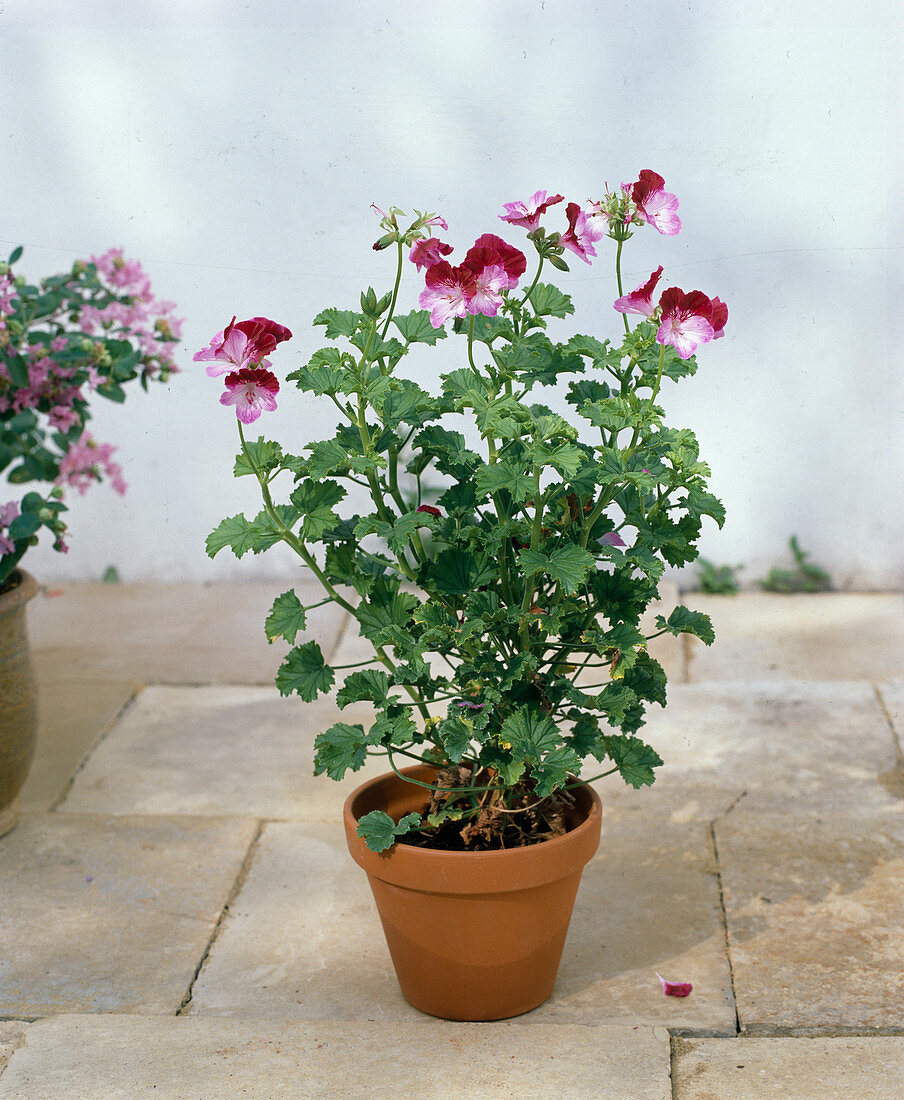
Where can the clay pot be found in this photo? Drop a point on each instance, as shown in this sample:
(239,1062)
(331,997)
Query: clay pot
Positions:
(18,699)
(472,935)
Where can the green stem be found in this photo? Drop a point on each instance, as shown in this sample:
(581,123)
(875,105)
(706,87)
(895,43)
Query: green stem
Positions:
(534,545)
(529,290)
(619,281)
(395,294)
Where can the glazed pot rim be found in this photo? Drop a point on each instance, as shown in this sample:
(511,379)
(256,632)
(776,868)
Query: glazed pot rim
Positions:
(20,593)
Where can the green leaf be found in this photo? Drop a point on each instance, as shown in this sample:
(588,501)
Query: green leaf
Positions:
(304,672)
(368,683)
(553,770)
(450,449)
(339,322)
(415,328)
(262,455)
(455,734)
(315,501)
(379,831)
(382,611)
(408,404)
(568,565)
(549,301)
(236,532)
(327,372)
(684,621)
(286,618)
(505,475)
(535,739)
(634,760)
(339,749)
(456,572)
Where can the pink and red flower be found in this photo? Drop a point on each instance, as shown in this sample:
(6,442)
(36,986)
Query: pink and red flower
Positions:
(448,293)
(252,390)
(476,285)
(687,320)
(429,251)
(640,300)
(241,345)
(582,232)
(655,205)
(527,214)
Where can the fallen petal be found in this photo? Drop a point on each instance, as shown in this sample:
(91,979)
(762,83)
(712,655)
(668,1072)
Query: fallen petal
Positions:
(674,989)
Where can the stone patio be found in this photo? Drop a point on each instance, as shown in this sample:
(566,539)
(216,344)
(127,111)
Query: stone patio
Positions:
(179,915)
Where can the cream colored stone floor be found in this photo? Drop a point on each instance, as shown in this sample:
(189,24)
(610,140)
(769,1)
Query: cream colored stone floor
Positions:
(178,916)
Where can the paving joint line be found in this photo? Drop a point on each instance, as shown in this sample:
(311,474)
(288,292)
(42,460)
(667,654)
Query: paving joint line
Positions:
(722,909)
(237,885)
(899,749)
(104,734)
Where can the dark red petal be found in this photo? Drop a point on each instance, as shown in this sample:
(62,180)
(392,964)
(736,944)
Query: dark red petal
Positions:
(480,257)
(648,182)
(671,300)
(674,989)
(440,272)
(571,213)
(649,286)
(698,303)
(260,376)
(513,259)
(720,317)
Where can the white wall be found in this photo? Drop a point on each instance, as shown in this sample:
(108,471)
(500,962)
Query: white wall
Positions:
(235,149)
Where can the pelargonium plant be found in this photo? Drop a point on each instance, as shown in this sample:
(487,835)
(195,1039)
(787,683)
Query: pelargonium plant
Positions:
(501,577)
(90,330)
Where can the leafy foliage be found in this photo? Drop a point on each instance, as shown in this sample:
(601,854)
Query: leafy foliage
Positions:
(501,574)
(806,576)
(94,329)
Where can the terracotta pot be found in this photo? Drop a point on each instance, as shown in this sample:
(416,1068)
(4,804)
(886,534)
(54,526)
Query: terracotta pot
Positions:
(18,699)
(472,935)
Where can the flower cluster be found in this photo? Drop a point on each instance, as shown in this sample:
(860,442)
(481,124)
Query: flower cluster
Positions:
(88,331)
(530,570)
(240,352)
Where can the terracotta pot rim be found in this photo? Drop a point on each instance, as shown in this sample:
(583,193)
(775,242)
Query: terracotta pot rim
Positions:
(20,593)
(500,870)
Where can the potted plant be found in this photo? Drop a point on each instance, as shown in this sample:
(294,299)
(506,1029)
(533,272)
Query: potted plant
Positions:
(90,330)
(500,572)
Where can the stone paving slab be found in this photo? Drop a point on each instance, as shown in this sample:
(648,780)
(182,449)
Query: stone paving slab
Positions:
(12,1034)
(217,750)
(824,744)
(170,634)
(302,939)
(859,1068)
(111,914)
(815,915)
(73,715)
(214,1059)
(817,636)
